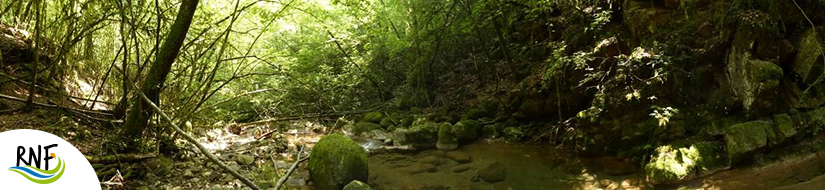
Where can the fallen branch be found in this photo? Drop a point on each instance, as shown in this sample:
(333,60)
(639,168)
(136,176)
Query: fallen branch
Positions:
(52,91)
(265,135)
(120,157)
(238,96)
(291,169)
(53,106)
(192,140)
(270,120)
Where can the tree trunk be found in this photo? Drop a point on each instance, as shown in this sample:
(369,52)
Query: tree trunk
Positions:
(89,47)
(36,47)
(141,111)
(123,104)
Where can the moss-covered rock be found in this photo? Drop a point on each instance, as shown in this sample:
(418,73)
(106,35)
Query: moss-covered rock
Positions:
(753,81)
(387,121)
(746,137)
(816,120)
(357,185)
(336,161)
(467,130)
(422,136)
(513,133)
(783,127)
(491,131)
(446,138)
(245,159)
(364,126)
(711,157)
(476,114)
(670,164)
(373,117)
(808,63)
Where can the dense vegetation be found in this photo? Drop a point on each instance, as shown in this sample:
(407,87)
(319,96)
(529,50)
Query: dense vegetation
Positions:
(680,88)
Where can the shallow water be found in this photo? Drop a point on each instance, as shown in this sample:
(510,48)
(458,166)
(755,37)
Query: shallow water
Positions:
(527,167)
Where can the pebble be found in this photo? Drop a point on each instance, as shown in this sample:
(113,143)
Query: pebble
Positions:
(458,156)
(494,172)
(461,168)
(431,160)
(420,168)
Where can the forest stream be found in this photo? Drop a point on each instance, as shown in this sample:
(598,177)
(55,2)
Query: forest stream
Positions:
(497,164)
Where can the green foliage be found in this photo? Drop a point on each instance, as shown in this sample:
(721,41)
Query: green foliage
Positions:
(621,79)
(599,20)
(663,114)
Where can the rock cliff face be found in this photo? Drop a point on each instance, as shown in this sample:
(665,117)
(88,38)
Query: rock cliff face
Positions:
(660,77)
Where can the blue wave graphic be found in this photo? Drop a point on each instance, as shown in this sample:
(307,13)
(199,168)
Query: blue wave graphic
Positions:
(31,172)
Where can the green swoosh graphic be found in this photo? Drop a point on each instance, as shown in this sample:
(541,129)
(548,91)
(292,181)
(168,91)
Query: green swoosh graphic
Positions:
(44,181)
(52,171)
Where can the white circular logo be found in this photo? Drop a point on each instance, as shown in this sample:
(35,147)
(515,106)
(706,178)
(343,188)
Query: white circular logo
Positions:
(39,160)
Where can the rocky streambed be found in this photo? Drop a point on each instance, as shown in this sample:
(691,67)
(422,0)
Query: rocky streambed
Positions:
(494,164)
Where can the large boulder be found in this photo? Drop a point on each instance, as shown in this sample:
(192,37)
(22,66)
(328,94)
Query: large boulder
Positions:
(446,138)
(336,161)
(423,136)
(808,64)
(671,164)
(467,130)
(744,138)
(753,81)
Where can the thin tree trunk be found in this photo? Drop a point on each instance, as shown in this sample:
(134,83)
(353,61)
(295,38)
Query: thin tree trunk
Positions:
(123,103)
(103,81)
(36,47)
(152,85)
